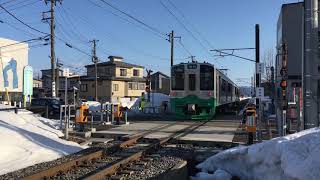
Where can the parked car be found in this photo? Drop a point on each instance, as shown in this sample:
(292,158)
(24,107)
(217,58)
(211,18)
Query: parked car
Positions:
(46,107)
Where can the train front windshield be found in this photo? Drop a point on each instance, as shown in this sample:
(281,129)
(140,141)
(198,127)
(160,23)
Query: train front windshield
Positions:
(206,78)
(177,77)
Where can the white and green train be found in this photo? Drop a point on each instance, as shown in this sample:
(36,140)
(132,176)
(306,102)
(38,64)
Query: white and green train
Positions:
(197,89)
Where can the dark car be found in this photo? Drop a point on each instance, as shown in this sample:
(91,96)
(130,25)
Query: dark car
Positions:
(46,107)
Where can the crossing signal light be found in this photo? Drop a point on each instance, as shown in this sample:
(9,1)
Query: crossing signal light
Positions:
(283,83)
(148,89)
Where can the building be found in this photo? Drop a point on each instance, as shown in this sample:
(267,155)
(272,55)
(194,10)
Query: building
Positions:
(38,90)
(73,82)
(290,31)
(116,79)
(160,83)
(14,58)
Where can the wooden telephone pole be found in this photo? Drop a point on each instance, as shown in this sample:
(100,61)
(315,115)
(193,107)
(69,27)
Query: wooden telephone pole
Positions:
(52,42)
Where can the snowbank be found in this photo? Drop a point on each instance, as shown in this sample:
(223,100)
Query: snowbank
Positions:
(156,100)
(294,156)
(26,140)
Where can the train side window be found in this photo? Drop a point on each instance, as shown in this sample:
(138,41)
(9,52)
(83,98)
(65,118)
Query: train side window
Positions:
(206,77)
(177,77)
(192,82)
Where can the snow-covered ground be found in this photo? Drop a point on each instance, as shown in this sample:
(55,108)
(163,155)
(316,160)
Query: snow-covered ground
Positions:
(28,139)
(293,157)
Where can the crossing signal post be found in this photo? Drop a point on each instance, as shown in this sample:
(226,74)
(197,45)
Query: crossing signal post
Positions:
(148,83)
(283,85)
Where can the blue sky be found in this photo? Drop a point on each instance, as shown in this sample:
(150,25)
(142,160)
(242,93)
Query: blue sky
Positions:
(223,23)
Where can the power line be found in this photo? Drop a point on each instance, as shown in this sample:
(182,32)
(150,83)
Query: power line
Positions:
(191,25)
(130,22)
(12,15)
(66,43)
(24,41)
(185,27)
(182,24)
(134,18)
(12,8)
(7,2)
(68,20)
(182,45)
(19,29)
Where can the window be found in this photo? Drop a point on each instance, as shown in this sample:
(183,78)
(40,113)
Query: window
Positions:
(206,77)
(135,72)
(133,86)
(141,86)
(192,82)
(130,86)
(115,87)
(177,80)
(123,72)
(223,85)
(83,88)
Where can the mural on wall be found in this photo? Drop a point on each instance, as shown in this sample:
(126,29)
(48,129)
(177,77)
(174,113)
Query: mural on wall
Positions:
(12,61)
(11,66)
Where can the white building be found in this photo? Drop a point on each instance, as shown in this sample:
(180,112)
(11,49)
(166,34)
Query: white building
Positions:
(13,59)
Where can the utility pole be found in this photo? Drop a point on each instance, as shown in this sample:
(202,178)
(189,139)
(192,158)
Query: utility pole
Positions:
(95,61)
(52,42)
(171,37)
(310,66)
(171,40)
(258,79)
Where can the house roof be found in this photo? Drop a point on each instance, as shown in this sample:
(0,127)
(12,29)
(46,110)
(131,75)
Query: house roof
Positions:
(115,63)
(160,73)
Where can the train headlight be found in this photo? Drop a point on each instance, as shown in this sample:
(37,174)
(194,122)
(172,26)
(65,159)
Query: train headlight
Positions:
(173,93)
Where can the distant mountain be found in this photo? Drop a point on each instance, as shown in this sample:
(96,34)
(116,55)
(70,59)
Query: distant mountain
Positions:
(245,90)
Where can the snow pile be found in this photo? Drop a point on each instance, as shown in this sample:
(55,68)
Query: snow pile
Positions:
(126,102)
(217,175)
(26,140)
(294,156)
(93,105)
(156,100)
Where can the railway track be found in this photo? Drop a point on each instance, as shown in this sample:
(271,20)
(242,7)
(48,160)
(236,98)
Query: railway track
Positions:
(105,162)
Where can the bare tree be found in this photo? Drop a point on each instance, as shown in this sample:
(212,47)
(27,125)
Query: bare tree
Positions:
(268,60)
